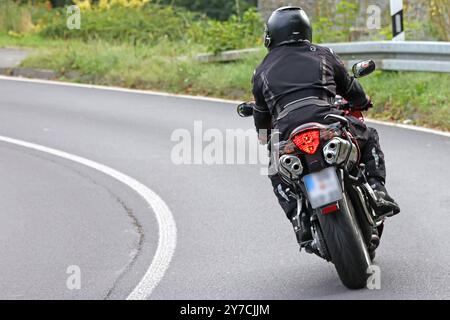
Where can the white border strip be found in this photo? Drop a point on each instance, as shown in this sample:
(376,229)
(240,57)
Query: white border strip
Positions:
(118,89)
(410,127)
(167,228)
(199,98)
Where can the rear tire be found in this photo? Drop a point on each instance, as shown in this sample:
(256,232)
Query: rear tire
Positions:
(346,245)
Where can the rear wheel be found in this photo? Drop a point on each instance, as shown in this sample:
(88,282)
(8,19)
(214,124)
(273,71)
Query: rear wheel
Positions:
(365,225)
(346,245)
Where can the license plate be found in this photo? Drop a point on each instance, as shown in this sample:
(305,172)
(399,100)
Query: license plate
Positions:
(323,188)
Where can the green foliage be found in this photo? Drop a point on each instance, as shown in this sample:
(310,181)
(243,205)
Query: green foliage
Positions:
(146,25)
(414,31)
(323,30)
(28,18)
(232,34)
(152,24)
(335,23)
(419,97)
(339,28)
(60,3)
(14,19)
(347,13)
(216,9)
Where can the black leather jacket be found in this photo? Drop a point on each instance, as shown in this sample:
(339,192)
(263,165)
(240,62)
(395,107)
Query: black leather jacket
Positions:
(293,72)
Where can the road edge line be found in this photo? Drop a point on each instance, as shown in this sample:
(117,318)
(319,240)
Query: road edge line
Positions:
(167,238)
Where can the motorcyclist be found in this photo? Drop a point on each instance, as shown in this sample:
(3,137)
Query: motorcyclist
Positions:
(296,83)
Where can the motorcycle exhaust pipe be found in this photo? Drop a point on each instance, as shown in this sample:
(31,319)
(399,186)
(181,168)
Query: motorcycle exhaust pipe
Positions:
(336,151)
(291,167)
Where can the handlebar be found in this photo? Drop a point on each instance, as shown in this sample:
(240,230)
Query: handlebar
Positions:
(344,105)
(246,109)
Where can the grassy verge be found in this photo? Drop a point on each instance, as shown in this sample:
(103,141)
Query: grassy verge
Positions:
(419,98)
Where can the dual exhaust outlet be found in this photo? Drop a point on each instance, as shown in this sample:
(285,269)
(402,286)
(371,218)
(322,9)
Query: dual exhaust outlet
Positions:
(341,152)
(336,152)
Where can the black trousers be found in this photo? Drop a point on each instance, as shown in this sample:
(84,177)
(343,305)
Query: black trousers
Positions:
(371,154)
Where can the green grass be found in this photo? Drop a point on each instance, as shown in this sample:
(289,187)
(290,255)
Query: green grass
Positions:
(420,98)
(28,41)
(144,67)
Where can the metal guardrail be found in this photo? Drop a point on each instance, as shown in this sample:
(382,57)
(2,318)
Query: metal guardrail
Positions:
(389,55)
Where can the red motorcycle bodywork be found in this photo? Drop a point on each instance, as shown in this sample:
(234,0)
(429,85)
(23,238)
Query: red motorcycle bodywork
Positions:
(357,114)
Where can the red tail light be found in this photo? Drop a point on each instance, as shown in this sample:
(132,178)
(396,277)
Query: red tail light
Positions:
(307,141)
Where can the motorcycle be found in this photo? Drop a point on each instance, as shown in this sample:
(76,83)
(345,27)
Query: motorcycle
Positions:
(321,164)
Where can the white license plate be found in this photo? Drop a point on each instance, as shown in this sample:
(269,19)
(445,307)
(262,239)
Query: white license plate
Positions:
(323,188)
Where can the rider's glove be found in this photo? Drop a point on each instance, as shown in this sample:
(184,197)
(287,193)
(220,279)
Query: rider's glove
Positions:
(365,107)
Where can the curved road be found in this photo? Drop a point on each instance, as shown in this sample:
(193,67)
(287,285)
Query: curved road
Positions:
(232,242)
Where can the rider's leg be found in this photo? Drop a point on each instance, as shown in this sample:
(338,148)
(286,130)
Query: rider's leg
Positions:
(289,204)
(373,157)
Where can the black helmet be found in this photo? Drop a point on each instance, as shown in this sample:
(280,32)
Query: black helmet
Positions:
(287,25)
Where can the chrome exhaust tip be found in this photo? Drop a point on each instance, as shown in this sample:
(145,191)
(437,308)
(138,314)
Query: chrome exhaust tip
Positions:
(291,166)
(337,150)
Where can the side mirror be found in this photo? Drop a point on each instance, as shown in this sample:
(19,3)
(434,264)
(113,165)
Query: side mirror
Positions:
(245,109)
(364,68)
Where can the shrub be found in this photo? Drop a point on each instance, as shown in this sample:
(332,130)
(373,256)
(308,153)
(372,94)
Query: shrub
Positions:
(145,25)
(15,19)
(337,29)
(234,33)
(216,9)
(139,22)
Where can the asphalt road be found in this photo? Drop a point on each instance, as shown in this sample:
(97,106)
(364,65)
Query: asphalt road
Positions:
(11,57)
(233,241)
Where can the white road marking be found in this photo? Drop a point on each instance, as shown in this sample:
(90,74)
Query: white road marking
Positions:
(410,127)
(118,89)
(167,228)
(200,98)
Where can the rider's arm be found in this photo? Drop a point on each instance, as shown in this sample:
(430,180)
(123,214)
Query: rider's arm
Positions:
(261,113)
(348,87)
